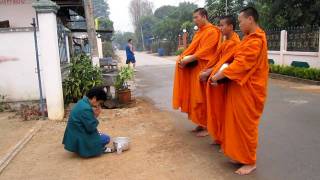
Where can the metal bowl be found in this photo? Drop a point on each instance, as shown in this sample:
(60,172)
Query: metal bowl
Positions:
(225,65)
(121,143)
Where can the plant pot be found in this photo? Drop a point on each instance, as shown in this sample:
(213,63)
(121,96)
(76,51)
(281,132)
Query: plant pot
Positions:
(124,96)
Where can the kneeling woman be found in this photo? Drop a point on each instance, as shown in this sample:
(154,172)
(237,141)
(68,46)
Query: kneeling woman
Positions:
(81,135)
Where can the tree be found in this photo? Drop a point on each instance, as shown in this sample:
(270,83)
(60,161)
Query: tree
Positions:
(88,7)
(184,12)
(100,9)
(273,13)
(170,22)
(292,13)
(137,10)
(164,11)
(120,39)
(217,8)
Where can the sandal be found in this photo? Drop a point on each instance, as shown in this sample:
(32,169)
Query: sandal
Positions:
(108,150)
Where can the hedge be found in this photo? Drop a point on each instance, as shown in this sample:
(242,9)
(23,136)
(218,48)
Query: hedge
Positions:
(179,51)
(304,73)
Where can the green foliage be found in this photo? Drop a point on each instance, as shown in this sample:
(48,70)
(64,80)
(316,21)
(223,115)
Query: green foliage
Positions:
(183,12)
(107,49)
(165,23)
(121,39)
(273,13)
(104,24)
(147,23)
(154,46)
(304,73)
(292,13)
(2,103)
(125,74)
(164,11)
(83,76)
(179,51)
(217,8)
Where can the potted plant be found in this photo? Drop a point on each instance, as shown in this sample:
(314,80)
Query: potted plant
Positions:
(123,92)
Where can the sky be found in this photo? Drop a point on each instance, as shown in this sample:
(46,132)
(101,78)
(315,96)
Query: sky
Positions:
(119,11)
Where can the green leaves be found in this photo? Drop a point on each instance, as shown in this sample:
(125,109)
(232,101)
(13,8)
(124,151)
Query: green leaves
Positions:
(273,13)
(125,74)
(304,73)
(83,76)
(179,51)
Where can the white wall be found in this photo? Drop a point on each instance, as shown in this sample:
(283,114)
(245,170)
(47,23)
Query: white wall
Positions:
(312,58)
(19,15)
(284,57)
(18,79)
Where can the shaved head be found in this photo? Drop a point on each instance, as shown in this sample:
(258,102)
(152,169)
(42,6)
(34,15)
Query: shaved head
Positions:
(202,11)
(250,11)
(230,20)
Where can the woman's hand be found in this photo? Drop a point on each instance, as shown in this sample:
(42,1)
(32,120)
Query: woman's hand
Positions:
(97,111)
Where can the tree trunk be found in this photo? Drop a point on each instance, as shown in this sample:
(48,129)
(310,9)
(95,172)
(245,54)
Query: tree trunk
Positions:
(88,7)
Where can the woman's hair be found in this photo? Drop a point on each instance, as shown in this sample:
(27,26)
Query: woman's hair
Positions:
(97,92)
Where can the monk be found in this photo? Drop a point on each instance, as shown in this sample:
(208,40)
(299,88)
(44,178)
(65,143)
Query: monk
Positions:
(215,96)
(187,94)
(246,93)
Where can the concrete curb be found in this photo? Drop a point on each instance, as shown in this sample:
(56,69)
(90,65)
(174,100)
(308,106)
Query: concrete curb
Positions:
(293,79)
(4,162)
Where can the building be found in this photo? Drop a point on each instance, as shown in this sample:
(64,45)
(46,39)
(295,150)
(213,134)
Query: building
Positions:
(55,35)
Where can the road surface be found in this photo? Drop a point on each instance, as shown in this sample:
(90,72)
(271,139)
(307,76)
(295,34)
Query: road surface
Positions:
(289,137)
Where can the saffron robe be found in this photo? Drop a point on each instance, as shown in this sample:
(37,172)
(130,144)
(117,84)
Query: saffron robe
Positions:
(216,96)
(186,90)
(246,95)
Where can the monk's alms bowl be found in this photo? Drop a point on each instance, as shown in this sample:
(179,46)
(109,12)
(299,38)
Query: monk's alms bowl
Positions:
(121,143)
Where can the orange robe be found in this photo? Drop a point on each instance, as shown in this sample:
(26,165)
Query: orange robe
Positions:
(186,90)
(246,95)
(216,96)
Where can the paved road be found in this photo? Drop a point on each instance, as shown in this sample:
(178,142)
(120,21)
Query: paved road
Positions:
(289,141)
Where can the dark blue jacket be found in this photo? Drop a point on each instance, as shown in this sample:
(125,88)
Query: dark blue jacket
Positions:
(81,135)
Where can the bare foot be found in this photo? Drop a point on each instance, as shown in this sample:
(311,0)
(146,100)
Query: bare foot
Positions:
(197,129)
(234,162)
(246,169)
(202,133)
(215,143)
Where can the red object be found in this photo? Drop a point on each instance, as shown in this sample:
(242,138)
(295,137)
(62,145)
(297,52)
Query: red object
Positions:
(124,96)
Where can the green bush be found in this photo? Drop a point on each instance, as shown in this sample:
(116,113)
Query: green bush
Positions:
(83,76)
(126,73)
(107,49)
(2,103)
(179,51)
(304,73)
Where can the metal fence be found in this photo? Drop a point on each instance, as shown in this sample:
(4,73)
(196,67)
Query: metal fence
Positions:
(62,34)
(273,38)
(304,39)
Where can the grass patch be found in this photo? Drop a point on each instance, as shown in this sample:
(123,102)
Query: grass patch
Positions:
(299,72)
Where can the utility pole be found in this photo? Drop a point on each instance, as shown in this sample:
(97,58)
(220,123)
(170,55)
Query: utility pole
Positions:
(142,37)
(88,8)
(140,24)
(226,7)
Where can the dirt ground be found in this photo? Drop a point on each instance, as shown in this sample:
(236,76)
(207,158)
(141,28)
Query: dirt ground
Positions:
(13,129)
(157,151)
